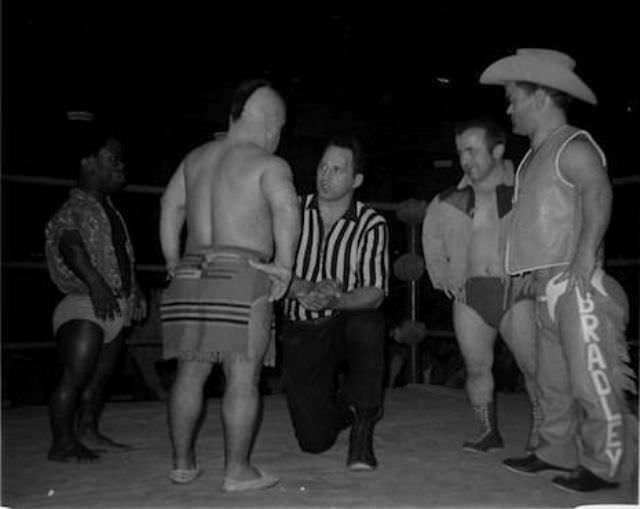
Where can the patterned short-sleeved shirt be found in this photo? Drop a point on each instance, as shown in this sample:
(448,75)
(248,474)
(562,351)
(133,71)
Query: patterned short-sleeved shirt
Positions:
(84,214)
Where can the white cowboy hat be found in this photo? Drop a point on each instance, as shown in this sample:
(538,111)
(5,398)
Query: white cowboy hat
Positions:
(541,66)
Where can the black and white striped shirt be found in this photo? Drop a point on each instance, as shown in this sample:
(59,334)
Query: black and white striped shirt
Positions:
(355,251)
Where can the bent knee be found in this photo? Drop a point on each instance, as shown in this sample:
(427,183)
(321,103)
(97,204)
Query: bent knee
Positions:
(242,371)
(243,362)
(317,444)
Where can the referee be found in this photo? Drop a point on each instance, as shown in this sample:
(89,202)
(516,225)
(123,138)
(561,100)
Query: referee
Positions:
(331,312)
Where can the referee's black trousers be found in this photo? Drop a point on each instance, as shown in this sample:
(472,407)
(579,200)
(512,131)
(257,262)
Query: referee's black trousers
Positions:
(313,354)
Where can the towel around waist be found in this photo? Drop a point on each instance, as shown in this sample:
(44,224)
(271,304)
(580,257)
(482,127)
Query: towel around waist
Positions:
(213,252)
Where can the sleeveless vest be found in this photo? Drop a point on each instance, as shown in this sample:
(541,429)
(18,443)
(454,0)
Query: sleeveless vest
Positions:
(547,215)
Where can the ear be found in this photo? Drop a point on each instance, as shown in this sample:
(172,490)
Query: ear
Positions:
(540,98)
(498,151)
(358,180)
(88,165)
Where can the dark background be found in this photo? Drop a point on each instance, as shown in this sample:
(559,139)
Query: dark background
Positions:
(162,75)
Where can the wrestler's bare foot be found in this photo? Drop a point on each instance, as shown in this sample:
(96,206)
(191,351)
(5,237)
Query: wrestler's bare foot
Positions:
(97,440)
(250,479)
(247,473)
(73,452)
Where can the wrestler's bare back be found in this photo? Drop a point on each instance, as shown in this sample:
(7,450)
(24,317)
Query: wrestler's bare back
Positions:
(225,203)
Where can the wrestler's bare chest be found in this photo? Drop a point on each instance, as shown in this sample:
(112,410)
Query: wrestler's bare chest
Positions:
(484,253)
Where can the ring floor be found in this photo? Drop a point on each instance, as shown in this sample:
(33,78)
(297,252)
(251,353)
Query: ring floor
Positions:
(418,445)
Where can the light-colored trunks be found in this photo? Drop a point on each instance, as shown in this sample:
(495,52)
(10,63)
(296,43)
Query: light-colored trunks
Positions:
(79,307)
(217,304)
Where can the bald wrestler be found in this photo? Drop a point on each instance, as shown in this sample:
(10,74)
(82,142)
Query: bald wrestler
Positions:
(240,206)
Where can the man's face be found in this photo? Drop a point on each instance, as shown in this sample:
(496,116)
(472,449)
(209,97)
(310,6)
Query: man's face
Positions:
(109,166)
(520,109)
(335,178)
(475,158)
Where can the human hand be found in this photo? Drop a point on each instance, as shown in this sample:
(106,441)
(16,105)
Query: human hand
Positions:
(140,306)
(454,291)
(321,295)
(171,271)
(579,272)
(328,287)
(104,301)
(280,278)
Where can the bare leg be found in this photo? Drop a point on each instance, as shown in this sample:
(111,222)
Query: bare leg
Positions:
(240,409)
(185,409)
(476,340)
(80,342)
(241,400)
(92,398)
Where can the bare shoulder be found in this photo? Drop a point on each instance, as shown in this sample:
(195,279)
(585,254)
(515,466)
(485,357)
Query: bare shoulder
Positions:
(581,160)
(271,164)
(200,154)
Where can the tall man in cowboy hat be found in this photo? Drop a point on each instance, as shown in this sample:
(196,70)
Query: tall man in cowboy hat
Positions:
(562,208)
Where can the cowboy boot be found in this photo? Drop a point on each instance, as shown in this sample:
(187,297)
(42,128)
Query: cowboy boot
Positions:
(489,438)
(534,426)
(361,456)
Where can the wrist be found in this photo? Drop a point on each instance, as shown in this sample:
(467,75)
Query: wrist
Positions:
(288,265)
(337,302)
(298,286)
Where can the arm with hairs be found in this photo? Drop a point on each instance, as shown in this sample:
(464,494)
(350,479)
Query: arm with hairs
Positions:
(172,216)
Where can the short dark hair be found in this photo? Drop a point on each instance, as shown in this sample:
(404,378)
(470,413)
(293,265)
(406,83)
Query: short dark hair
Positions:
(242,93)
(561,99)
(87,139)
(494,133)
(350,143)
